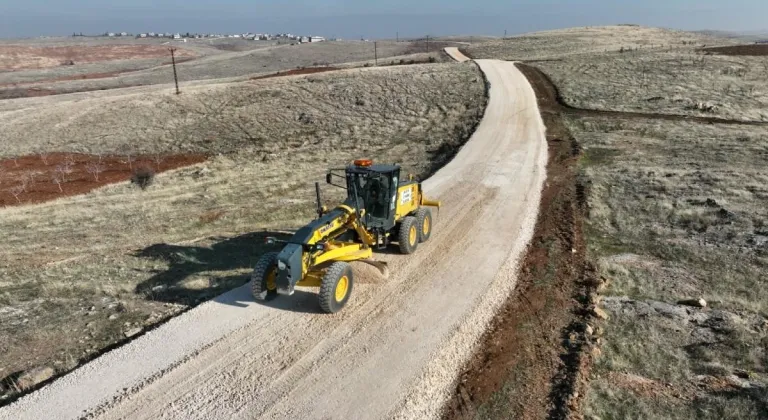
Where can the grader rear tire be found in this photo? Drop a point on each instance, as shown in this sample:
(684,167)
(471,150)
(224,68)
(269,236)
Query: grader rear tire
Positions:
(336,287)
(424,217)
(408,235)
(263,277)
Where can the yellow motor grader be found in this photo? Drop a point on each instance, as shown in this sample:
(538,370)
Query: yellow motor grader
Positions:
(380,208)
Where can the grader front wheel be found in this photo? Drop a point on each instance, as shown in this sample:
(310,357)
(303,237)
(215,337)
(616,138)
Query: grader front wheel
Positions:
(263,277)
(336,287)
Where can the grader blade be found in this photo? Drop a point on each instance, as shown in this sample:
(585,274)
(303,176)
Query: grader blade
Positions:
(381,266)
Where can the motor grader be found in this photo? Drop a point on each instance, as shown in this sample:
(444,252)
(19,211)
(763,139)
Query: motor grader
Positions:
(380,208)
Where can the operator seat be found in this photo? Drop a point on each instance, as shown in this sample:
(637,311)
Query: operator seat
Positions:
(378,199)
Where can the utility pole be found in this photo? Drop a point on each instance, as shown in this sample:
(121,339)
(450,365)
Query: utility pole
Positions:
(427,43)
(505,34)
(397,36)
(175,76)
(375,54)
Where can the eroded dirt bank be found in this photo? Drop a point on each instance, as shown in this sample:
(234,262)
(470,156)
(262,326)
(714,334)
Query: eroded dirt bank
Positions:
(530,363)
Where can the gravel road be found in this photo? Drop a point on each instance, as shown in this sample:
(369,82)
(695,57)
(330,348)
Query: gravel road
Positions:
(456,54)
(393,352)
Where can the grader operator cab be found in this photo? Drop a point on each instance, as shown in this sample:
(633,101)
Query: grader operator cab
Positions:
(380,208)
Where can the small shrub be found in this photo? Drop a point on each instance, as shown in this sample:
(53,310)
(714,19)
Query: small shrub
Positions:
(143,177)
(211,216)
(432,60)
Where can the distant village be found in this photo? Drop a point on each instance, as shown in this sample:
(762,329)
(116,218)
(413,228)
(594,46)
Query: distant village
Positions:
(246,36)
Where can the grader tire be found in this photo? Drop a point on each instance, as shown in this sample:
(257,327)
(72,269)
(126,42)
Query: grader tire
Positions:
(263,277)
(408,235)
(336,287)
(424,217)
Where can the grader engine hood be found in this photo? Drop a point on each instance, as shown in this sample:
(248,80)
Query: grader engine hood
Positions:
(289,268)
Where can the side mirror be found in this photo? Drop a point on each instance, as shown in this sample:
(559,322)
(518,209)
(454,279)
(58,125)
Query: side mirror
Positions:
(328,178)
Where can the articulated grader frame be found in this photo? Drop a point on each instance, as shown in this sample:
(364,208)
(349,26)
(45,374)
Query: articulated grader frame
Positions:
(380,208)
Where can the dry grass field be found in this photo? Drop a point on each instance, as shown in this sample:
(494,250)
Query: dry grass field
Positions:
(82,273)
(684,80)
(676,212)
(199,60)
(595,40)
(640,69)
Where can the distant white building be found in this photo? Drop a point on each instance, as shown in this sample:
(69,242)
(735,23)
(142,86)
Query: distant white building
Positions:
(111,34)
(142,35)
(152,34)
(176,36)
(123,33)
(316,39)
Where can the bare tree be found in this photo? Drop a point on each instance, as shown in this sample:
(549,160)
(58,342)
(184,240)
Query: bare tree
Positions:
(69,160)
(64,169)
(158,158)
(27,180)
(128,157)
(95,169)
(17,190)
(58,179)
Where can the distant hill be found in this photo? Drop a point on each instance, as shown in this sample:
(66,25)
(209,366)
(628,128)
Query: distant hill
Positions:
(752,36)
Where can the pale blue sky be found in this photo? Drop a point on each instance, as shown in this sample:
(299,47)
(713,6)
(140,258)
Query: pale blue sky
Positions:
(379,19)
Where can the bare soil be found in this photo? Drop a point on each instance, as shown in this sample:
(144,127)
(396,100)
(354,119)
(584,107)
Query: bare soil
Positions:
(530,360)
(72,77)
(24,57)
(39,178)
(751,50)
(25,93)
(308,70)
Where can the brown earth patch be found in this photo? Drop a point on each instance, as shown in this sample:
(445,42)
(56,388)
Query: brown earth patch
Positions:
(178,60)
(551,95)
(85,76)
(753,50)
(22,57)
(531,362)
(25,93)
(45,177)
(296,72)
(20,92)
(688,391)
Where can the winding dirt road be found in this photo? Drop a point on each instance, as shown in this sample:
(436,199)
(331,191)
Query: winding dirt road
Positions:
(393,352)
(456,54)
